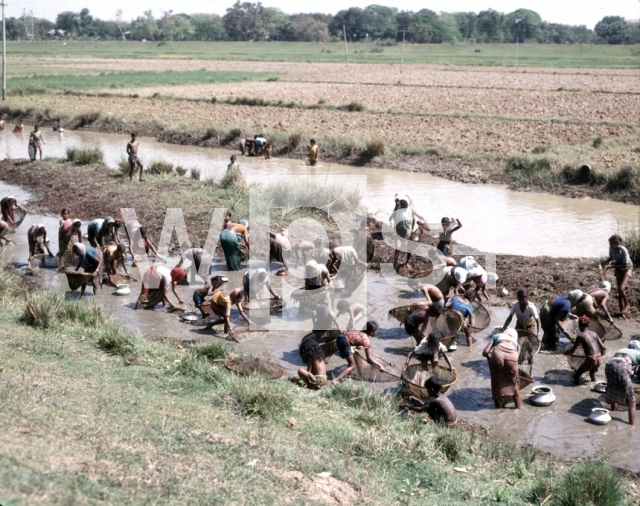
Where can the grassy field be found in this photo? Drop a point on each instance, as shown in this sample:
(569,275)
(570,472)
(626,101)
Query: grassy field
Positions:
(91,413)
(529,55)
(135,79)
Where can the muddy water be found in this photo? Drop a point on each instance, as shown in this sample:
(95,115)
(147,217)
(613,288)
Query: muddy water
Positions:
(495,219)
(560,429)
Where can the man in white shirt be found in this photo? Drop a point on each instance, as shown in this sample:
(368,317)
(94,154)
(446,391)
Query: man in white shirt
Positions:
(525,312)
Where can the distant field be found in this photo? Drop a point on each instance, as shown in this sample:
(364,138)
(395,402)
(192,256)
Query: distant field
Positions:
(533,55)
(136,79)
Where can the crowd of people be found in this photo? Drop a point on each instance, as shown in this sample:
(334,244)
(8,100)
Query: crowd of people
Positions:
(328,270)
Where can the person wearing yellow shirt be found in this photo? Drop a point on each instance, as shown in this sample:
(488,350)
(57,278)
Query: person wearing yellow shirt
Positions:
(314,153)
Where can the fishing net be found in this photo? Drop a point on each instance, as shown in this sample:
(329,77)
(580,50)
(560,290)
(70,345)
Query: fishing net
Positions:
(611,332)
(576,359)
(481,318)
(252,366)
(524,379)
(366,372)
(302,294)
(353,285)
(77,279)
(402,313)
(415,376)
(448,324)
(273,305)
(595,326)
(529,345)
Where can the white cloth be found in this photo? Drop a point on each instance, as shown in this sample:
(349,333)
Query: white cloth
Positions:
(284,241)
(423,349)
(164,274)
(252,278)
(346,255)
(469,263)
(460,274)
(524,317)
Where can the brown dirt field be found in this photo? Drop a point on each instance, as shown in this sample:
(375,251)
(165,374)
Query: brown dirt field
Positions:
(467,137)
(584,106)
(611,80)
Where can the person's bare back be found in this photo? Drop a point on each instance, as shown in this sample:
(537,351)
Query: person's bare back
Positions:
(590,341)
(134,161)
(441,408)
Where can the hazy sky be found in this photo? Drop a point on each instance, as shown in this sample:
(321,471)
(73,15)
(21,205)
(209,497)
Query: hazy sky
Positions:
(578,12)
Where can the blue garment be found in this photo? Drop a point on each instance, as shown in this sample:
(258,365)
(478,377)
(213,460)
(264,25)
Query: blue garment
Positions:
(446,250)
(496,338)
(561,305)
(461,307)
(344,350)
(197,299)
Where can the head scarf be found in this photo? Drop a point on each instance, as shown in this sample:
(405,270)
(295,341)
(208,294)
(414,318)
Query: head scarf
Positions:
(79,249)
(311,269)
(512,333)
(606,286)
(245,223)
(178,274)
(460,274)
(575,296)
(634,345)
(584,319)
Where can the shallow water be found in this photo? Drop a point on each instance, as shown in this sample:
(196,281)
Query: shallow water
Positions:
(495,219)
(560,429)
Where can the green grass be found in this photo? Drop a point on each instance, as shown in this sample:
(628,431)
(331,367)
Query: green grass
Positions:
(530,55)
(80,423)
(37,83)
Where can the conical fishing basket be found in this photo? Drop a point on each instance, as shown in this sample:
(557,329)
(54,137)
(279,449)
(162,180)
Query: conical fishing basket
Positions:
(328,341)
(353,285)
(576,359)
(595,326)
(524,379)
(448,324)
(611,332)
(77,279)
(529,344)
(402,313)
(273,305)
(302,294)
(481,317)
(252,366)
(367,372)
(415,376)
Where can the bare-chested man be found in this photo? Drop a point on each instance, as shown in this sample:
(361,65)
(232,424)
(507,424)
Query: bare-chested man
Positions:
(593,350)
(596,298)
(432,293)
(132,151)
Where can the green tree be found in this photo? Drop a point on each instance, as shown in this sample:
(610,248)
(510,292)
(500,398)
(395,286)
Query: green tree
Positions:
(307,29)
(145,28)
(491,26)
(67,21)
(380,22)
(353,21)
(467,25)
(612,30)
(523,25)
(207,27)
(245,21)
(175,27)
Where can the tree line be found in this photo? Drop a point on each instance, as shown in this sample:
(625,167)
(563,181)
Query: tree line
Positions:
(246,21)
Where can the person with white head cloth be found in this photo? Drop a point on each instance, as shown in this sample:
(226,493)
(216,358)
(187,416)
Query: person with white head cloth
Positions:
(597,297)
(503,351)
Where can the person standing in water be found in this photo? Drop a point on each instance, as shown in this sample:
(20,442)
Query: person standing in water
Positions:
(132,151)
(620,260)
(314,153)
(37,141)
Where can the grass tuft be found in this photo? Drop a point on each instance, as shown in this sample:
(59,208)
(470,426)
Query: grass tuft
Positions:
(8,281)
(294,140)
(41,308)
(195,174)
(375,147)
(85,155)
(232,178)
(115,340)
(589,483)
(597,141)
(210,133)
(256,396)
(352,107)
(87,118)
(181,171)
(451,445)
(160,167)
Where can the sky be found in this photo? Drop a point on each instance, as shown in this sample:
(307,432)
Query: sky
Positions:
(574,12)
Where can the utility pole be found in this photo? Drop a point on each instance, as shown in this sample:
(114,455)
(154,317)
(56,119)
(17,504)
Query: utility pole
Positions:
(346,52)
(4,56)
(402,61)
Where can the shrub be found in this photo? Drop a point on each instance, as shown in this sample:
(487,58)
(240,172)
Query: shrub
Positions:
(353,107)
(210,133)
(123,166)
(195,174)
(115,340)
(87,118)
(538,150)
(589,483)
(451,445)
(8,281)
(631,241)
(625,179)
(541,490)
(85,156)
(234,133)
(215,350)
(322,101)
(160,167)
(597,141)
(41,308)
(375,147)
(294,140)
(180,170)
(232,178)
(526,164)
(257,397)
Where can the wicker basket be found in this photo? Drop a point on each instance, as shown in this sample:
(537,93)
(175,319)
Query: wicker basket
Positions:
(524,380)
(576,359)
(529,345)
(481,318)
(77,279)
(611,332)
(402,313)
(328,341)
(595,326)
(273,305)
(353,285)
(367,372)
(252,366)
(415,376)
